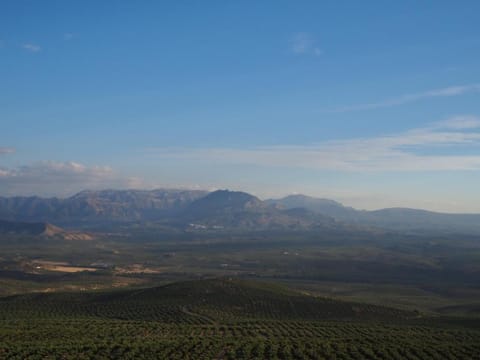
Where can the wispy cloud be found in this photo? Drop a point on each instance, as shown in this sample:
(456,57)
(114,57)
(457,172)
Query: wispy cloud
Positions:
(413,150)
(6,150)
(304,43)
(31,47)
(68,36)
(409,98)
(459,123)
(60,178)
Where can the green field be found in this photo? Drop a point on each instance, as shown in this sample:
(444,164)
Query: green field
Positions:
(222,319)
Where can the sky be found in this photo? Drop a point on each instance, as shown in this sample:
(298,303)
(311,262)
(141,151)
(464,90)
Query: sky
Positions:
(371,103)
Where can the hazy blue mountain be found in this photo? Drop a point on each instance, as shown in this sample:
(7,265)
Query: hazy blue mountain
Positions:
(94,206)
(234,209)
(422,220)
(224,209)
(222,202)
(322,206)
(400,219)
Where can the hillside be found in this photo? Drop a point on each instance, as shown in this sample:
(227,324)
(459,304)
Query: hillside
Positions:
(26,228)
(40,229)
(220,319)
(214,299)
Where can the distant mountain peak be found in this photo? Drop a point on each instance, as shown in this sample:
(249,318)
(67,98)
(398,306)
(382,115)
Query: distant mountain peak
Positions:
(306,198)
(319,205)
(232,197)
(225,200)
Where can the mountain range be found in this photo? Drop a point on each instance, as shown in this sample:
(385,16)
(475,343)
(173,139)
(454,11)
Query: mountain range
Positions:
(239,210)
(99,206)
(399,219)
(224,209)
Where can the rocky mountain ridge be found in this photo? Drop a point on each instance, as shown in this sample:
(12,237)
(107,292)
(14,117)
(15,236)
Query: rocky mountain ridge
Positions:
(224,209)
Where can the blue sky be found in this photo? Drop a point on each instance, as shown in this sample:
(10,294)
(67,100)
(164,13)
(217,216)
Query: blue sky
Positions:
(372,103)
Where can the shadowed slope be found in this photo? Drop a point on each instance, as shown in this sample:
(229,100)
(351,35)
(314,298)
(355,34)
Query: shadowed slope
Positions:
(195,301)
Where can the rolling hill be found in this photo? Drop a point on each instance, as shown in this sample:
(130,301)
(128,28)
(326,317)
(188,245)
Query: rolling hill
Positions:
(203,301)
(27,228)
(221,319)
(40,229)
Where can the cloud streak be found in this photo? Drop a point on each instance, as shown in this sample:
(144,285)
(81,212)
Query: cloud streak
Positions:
(303,43)
(414,150)
(410,98)
(31,47)
(60,178)
(6,150)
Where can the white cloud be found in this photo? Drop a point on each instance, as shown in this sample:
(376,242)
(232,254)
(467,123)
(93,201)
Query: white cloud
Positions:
(68,36)
(60,178)
(304,43)
(409,98)
(31,47)
(459,122)
(398,152)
